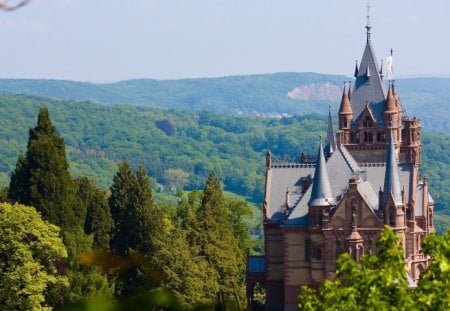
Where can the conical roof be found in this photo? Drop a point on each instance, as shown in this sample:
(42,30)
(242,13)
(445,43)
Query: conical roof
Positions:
(321,194)
(331,143)
(345,107)
(390,101)
(391,179)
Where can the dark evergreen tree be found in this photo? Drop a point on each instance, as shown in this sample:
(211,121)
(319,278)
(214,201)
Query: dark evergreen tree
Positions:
(218,243)
(146,217)
(41,178)
(93,202)
(138,227)
(119,203)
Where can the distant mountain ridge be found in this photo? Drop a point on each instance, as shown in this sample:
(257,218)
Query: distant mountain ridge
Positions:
(272,94)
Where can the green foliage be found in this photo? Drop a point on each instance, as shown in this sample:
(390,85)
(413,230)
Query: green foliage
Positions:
(30,248)
(93,201)
(42,179)
(433,292)
(98,137)
(377,282)
(138,225)
(217,241)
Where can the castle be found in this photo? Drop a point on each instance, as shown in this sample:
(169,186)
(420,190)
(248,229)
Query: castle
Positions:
(366,178)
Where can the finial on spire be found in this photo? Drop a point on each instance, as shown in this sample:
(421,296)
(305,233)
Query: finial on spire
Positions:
(368,27)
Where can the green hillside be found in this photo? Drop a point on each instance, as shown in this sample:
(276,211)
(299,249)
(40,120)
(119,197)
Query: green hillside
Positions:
(179,148)
(252,94)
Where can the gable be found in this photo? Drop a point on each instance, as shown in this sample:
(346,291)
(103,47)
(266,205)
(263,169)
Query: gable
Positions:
(342,215)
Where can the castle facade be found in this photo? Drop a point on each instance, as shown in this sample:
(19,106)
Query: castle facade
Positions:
(365,177)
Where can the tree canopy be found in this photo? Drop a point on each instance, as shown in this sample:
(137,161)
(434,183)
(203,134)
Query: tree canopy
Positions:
(30,250)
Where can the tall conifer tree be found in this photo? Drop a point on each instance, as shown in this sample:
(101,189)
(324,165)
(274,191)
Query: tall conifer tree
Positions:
(138,226)
(41,178)
(119,202)
(218,244)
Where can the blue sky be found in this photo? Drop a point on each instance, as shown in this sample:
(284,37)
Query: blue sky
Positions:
(111,40)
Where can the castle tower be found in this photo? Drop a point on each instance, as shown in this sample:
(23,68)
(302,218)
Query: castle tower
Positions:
(365,179)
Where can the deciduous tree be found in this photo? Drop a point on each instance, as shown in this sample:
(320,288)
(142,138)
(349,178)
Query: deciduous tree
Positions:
(30,249)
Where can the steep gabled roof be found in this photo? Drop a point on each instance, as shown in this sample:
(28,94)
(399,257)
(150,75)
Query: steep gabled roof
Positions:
(368,88)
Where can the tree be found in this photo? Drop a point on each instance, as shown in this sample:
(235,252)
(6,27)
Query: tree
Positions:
(94,203)
(30,249)
(41,178)
(433,292)
(217,242)
(138,226)
(376,282)
(119,203)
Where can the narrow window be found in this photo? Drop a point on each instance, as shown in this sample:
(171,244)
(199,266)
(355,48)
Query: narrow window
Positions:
(308,250)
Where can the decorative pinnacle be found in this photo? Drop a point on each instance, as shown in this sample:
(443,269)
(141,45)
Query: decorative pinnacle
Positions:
(368,27)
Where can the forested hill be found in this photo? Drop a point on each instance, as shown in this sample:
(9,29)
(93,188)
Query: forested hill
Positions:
(179,148)
(291,93)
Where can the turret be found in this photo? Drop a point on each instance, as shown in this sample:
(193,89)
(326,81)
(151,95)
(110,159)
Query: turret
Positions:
(345,110)
(321,194)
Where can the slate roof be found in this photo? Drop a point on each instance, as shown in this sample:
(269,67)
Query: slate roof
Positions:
(370,90)
(391,180)
(339,167)
(375,172)
(321,189)
(280,178)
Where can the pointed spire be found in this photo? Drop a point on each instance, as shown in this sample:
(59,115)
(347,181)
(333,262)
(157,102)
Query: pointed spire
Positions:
(345,107)
(356,69)
(391,179)
(390,100)
(331,143)
(321,194)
